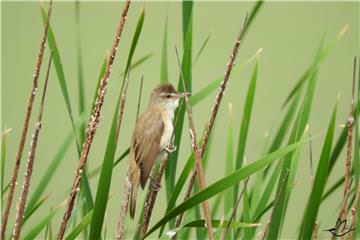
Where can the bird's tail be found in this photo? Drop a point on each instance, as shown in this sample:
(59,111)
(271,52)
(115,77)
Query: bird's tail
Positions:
(134,189)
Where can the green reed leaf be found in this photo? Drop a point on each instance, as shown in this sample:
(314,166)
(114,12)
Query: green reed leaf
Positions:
(321,176)
(102,192)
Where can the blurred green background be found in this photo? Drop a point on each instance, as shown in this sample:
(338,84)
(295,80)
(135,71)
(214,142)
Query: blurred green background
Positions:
(289,34)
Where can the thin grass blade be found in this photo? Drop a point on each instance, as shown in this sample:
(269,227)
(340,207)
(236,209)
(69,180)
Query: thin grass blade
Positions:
(35,231)
(164,78)
(246,213)
(216,224)
(170,170)
(269,189)
(164,55)
(49,173)
(138,62)
(305,76)
(203,45)
(48,229)
(80,71)
(5,188)
(60,73)
(215,84)
(245,123)
(107,166)
(321,176)
(27,215)
(320,56)
(225,183)
(259,202)
(253,13)
(61,77)
(85,221)
(53,166)
(206,91)
(229,167)
(216,205)
(291,160)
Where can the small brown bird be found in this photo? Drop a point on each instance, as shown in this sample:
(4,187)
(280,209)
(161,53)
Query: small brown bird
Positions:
(151,137)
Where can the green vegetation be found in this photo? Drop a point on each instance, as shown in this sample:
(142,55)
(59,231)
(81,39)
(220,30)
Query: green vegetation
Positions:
(272,175)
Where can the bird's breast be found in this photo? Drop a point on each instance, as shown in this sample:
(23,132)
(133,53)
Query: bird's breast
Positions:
(168,128)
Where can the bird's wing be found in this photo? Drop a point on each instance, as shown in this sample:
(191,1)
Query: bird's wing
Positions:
(146,142)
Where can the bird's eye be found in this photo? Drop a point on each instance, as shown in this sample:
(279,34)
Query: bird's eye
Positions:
(168,95)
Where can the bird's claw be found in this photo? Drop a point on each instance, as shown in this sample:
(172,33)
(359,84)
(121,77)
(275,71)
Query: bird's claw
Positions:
(170,148)
(156,187)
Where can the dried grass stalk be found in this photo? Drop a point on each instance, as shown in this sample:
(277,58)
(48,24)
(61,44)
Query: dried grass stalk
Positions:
(215,108)
(30,163)
(93,123)
(354,211)
(127,185)
(120,234)
(151,197)
(350,125)
(355,207)
(25,126)
(198,155)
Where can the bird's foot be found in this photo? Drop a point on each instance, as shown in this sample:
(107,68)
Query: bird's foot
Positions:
(170,148)
(154,185)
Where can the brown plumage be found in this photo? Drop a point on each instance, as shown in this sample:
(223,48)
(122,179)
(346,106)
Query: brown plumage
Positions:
(152,134)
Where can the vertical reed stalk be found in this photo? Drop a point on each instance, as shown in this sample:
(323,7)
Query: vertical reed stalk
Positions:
(30,163)
(215,108)
(197,153)
(127,186)
(355,207)
(354,210)
(350,125)
(20,150)
(151,197)
(120,234)
(93,123)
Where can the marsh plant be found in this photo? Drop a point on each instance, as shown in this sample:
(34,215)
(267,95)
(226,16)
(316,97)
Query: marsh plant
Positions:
(249,201)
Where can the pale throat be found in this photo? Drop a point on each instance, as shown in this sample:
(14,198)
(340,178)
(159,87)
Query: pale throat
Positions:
(170,108)
(168,117)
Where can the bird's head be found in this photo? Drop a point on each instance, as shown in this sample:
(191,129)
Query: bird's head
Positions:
(165,95)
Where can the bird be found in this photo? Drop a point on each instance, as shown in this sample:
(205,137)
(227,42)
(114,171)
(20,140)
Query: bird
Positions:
(152,137)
